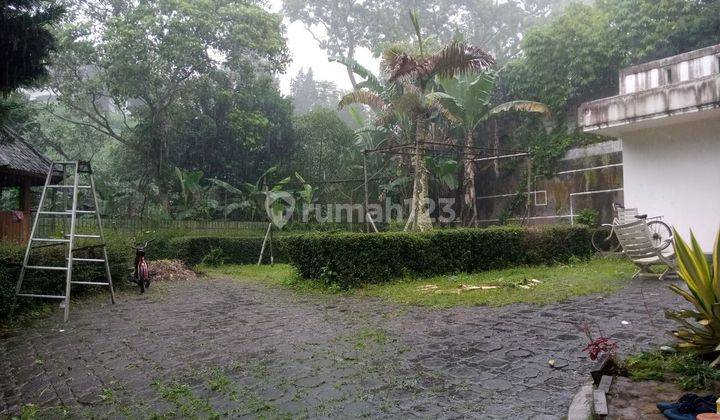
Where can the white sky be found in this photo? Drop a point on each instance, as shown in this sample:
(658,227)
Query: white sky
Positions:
(306,53)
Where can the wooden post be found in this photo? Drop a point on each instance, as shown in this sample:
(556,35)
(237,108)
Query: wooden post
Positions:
(25,203)
(367,200)
(25,196)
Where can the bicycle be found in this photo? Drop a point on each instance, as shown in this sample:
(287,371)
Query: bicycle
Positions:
(604,239)
(141,276)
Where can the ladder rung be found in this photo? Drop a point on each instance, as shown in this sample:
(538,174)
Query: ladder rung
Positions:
(41,296)
(85,211)
(78,235)
(89,259)
(90,283)
(49,240)
(43,267)
(57,213)
(83,187)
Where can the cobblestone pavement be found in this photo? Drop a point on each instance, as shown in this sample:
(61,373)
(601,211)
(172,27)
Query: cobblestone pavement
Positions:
(218,347)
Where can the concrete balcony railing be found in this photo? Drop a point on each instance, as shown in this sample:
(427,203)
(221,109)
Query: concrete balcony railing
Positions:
(677,87)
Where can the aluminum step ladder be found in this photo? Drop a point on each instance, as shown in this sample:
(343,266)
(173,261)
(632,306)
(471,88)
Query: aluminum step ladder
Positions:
(69,186)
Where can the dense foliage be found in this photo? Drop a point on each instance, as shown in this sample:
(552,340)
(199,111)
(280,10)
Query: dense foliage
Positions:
(352,259)
(166,84)
(576,56)
(149,90)
(25,41)
(53,282)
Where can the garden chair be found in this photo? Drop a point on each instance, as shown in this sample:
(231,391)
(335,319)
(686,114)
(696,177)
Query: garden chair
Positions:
(625,215)
(637,244)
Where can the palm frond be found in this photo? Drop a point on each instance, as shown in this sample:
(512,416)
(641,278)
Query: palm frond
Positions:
(401,67)
(364,97)
(457,58)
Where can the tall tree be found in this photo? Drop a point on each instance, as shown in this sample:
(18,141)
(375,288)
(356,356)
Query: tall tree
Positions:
(342,27)
(576,56)
(124,66)
(412,74)
(308,93)
(25,41)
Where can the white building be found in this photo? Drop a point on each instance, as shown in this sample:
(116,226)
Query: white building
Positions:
(668,117)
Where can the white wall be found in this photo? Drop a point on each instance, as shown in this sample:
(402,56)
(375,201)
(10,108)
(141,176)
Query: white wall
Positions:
(674,171)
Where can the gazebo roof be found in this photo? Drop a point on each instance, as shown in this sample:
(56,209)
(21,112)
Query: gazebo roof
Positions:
(19,160)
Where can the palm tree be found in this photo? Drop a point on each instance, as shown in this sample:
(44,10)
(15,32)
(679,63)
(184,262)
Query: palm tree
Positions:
(409,94)
(466,100)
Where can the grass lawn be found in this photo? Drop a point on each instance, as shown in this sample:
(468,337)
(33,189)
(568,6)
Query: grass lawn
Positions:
(537,284)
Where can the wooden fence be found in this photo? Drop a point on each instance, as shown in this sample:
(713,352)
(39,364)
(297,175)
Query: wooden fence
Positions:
(14,229)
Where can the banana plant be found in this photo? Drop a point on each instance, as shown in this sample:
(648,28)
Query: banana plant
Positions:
(700,328)
(465,101)
(233,197)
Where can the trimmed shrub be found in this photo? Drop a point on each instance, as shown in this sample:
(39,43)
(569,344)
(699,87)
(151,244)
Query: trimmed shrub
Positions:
(353,259)
(192,250)
(53,282)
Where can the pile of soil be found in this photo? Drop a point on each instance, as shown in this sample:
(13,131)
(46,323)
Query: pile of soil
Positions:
(170,270)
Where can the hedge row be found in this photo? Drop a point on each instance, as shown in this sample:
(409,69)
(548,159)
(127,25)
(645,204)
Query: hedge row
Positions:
(53,282)
(193,250)
(352,259)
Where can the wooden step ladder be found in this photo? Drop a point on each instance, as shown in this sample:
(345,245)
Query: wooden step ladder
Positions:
(69,186)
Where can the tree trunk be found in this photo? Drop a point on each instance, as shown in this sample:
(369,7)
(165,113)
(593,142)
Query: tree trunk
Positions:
(419,218)
(469,205)
(351,74)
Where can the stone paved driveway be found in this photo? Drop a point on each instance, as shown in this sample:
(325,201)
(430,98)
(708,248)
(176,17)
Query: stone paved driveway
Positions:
(218,347)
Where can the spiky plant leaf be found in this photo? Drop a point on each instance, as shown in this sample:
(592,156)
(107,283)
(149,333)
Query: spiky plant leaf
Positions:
(699,330)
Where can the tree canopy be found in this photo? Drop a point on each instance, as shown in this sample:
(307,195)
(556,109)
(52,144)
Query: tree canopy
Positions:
(26,41)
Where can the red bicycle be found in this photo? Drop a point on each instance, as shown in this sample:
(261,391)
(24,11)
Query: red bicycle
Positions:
(141,276)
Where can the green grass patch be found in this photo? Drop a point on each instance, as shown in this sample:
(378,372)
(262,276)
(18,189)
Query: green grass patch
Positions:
(687,370)
(531,284)
(278,275)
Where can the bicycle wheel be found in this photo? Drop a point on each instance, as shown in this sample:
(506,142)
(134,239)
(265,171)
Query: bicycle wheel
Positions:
(604,240)
(659,233)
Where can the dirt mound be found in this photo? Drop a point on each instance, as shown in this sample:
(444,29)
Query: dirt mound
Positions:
(170,270)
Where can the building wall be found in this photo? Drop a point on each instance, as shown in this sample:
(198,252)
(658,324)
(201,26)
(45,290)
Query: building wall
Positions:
(674,171)
(586,177)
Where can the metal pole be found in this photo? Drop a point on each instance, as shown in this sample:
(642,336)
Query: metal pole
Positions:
(529,185)
(71,244)
(102,234)
(32,232)
(367,200)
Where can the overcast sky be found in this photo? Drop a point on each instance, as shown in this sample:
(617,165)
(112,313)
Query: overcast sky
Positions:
(306,53)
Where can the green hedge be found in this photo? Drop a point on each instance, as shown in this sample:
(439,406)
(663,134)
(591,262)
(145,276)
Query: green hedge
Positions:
(192,250)
(352,259)
(53,282)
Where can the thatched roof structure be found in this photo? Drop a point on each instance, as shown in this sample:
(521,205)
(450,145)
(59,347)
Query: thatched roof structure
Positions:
(19,161)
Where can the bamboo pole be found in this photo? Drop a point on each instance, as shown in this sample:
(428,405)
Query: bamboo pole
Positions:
(365,184)
(262,248)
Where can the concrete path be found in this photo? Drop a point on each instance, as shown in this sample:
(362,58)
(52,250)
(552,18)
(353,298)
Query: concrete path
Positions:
(218,347)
